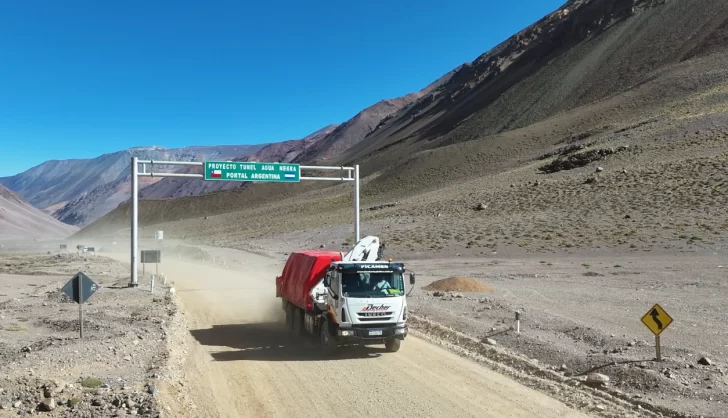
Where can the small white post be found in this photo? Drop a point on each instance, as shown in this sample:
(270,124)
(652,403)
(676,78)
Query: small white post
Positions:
(79,283)
(658,352)
(134,220)
(151,286)
(356,204)
(518,322)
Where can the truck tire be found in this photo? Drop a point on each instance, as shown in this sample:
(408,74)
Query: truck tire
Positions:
(328,342)
(289,317)
(297,322)
(393,345)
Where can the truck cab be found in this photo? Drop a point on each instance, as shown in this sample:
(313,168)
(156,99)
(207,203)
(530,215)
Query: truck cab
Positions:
(364,303)
(352,298)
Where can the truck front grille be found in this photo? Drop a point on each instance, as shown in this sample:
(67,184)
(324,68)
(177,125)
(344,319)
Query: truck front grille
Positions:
(378,319)
(374,316)
(370,314)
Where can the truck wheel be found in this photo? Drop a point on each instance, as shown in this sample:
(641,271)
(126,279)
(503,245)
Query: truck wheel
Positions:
(328,343)
(289,317)
(297,322)
(393,345)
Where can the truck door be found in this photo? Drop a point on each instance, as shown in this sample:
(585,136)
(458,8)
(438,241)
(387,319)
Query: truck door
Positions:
(335,290)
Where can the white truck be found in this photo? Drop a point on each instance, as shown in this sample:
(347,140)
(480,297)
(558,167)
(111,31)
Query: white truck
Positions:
(353,298)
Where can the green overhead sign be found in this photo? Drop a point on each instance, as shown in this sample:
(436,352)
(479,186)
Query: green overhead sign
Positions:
(248,171)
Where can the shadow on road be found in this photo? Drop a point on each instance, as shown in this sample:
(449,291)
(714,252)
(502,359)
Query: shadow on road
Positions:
(272,342)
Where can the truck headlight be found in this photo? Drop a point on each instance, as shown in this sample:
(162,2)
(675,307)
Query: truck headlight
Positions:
(346,332)
(400,331)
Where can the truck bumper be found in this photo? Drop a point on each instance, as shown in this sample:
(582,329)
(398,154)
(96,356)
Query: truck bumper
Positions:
(370,335)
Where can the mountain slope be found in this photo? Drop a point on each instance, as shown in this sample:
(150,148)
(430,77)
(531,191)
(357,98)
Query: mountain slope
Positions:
(579,55)
(362,125)
(55,181)
(20,221)
(596,75)
(285,151)
(323,144)
(99,201)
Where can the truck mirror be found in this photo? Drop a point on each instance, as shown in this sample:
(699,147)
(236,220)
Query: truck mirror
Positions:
(412,277)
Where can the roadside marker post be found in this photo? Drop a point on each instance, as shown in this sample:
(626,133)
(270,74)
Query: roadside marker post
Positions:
(232,171)
(657,320)
(518,322)
(80,288)
(159,237)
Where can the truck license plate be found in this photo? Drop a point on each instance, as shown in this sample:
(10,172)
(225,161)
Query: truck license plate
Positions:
(375,332)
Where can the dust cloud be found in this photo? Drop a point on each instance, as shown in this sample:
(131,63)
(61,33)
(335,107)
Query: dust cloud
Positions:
(272,310)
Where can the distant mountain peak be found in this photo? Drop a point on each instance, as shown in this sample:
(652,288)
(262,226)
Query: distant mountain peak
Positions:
(84,183)
(148,148)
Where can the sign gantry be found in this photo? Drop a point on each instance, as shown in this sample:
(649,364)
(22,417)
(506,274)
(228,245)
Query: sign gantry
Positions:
(241,171)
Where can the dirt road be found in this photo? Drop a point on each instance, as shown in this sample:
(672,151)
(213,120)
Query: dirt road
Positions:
(242,362)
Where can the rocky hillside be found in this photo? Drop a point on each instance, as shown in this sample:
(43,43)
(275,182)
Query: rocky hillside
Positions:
(364,123)
(21,221)
(585,53)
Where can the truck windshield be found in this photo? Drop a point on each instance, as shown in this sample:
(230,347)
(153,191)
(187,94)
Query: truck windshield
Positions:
(375,285)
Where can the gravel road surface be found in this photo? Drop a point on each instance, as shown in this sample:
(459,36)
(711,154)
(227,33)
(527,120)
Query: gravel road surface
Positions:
(241,362)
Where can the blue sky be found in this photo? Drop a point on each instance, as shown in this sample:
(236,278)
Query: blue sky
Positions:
(83,78)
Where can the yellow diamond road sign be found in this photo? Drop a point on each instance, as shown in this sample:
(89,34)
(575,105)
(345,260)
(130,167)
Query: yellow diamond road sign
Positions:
(656,319)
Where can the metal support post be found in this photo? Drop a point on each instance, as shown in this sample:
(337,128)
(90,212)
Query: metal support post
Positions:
(658,352)
(79,283)
(134,220)
(356,203)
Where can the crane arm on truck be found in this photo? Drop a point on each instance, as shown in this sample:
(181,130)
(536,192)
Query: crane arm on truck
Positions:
(367,249)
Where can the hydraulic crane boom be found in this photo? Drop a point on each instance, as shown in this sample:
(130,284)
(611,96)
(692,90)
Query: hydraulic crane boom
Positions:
(368,249)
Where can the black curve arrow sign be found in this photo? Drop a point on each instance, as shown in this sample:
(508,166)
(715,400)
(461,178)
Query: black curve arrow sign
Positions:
(655,314)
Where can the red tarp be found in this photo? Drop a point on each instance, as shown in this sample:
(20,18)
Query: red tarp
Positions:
(303,270)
